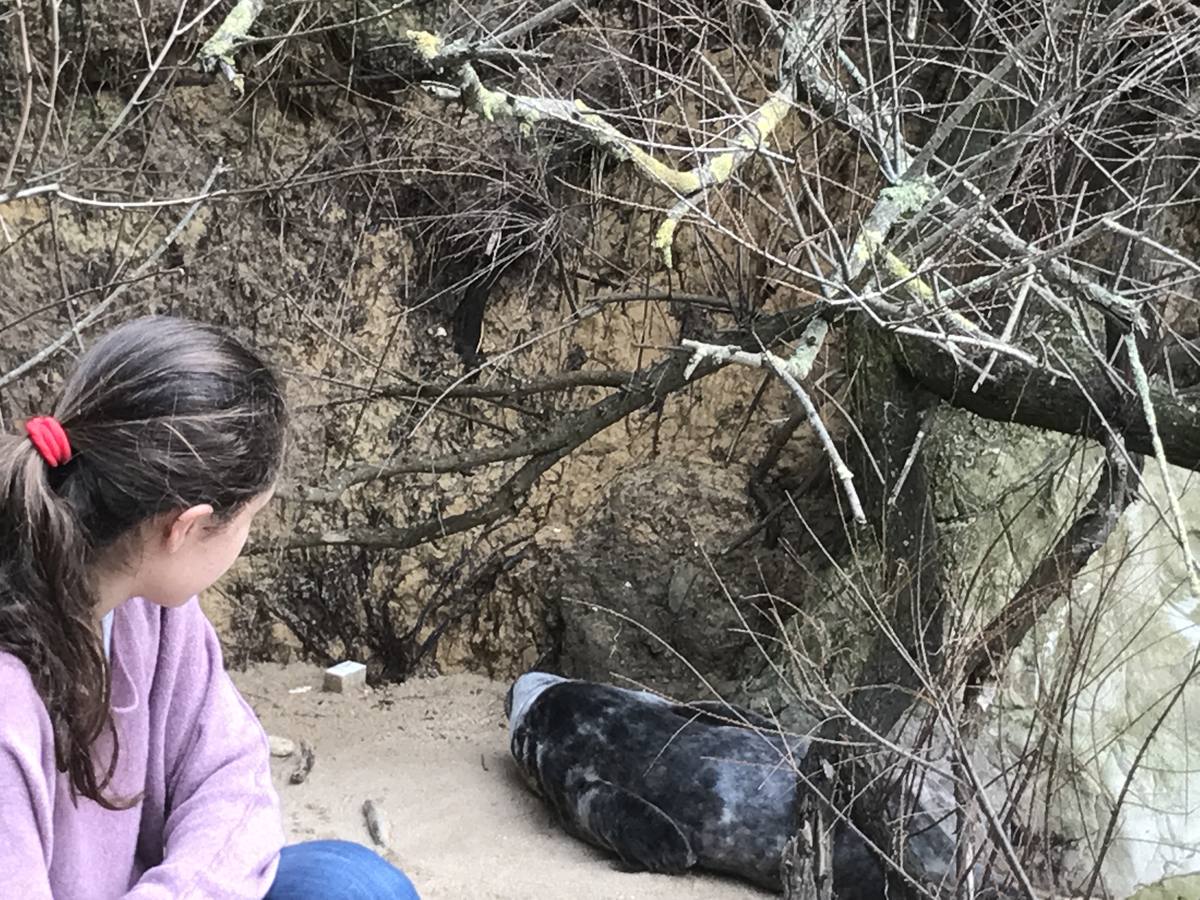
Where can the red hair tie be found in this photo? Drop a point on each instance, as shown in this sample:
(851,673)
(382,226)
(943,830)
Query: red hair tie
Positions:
(48,436)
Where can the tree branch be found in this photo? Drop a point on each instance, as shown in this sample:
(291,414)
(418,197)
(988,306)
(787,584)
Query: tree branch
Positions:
(529,111)
(1043,400)
(217,52)
(1045,584)
(648,386)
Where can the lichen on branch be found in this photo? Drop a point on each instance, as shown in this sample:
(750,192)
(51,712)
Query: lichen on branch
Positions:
(217,52)
(528,111)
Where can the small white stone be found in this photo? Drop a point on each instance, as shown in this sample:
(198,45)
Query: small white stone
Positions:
(281,746)
(345,676)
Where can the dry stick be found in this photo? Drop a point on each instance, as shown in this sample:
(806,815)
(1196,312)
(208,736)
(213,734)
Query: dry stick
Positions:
(1009,327)
(26,96)
(786,372)
(1113,225)
(844,474)
(1142,383)
(104,305)
(52,90)
(547,16)
(34,191)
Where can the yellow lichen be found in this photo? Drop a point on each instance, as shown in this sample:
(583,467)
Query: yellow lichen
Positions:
(426,44)
(664,239)
(913,283)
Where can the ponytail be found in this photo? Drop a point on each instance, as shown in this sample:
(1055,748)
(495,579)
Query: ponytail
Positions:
(47,619)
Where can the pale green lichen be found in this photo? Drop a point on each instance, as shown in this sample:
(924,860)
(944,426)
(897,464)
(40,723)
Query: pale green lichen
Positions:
(1180,887)
(909,196)
(218,49)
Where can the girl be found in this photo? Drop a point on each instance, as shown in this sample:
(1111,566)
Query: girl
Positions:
(130,767)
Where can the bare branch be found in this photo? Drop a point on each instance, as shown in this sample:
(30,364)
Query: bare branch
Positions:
(789,372)
(1087,534)
(648,386)
(97,311)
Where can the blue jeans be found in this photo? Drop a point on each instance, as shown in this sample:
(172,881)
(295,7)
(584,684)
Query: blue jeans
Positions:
(337,870)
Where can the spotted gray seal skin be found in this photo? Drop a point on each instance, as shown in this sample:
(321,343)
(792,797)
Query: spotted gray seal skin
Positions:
(669,787)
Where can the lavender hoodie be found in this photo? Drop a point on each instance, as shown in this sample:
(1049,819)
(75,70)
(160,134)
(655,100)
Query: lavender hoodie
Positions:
(208,824)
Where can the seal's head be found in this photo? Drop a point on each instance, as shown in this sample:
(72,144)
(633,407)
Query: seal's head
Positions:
(523,692)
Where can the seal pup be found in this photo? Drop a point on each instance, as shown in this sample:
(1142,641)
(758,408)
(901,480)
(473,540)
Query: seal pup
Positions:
(669,787)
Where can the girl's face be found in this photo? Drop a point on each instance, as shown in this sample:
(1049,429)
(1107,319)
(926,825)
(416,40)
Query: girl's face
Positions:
(185,553)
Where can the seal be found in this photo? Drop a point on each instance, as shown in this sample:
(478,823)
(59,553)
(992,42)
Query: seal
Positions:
(670,787)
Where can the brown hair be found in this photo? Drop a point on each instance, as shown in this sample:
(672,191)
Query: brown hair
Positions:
(162,414)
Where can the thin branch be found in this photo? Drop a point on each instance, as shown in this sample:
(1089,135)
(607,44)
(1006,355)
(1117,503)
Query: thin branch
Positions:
(547,16)
(34,191)
(788,371)
(104,305)
(1142,383)
(568,432)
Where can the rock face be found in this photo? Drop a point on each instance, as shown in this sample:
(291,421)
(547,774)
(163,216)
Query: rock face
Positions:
(1136,695)
(1101,678)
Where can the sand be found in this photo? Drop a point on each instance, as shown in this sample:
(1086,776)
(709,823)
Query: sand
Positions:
(433,755)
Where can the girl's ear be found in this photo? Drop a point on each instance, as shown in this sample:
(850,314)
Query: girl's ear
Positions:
(185,524)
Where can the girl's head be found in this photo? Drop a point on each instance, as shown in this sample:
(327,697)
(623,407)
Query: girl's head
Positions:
(176,433)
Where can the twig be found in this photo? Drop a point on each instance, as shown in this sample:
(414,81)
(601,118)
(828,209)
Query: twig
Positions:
(104,305)
(26,94)
(907,467)
(1009,327)
(1142,383)
(34,191)
(786,371)
(547,16)
(1113,225)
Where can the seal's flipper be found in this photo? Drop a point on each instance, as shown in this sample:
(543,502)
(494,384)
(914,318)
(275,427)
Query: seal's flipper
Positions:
(639,832)
(718,712)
